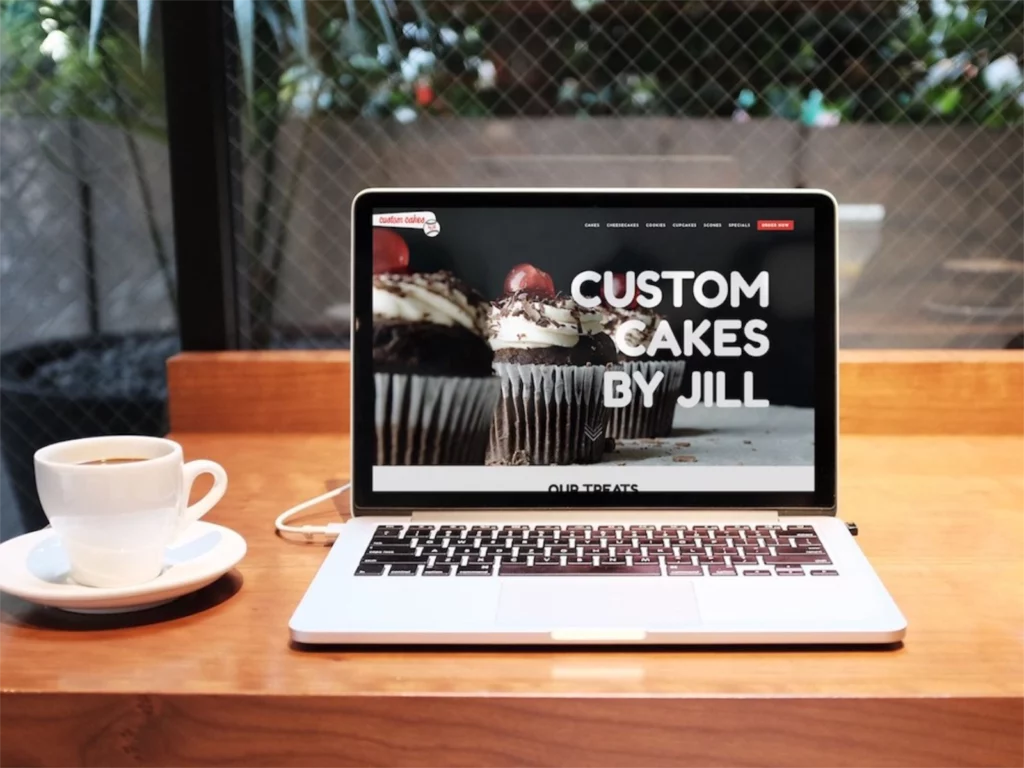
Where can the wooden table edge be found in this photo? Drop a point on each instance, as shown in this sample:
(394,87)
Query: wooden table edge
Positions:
(403,729)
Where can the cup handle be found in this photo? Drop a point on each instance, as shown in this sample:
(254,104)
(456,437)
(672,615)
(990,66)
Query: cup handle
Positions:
(192,470)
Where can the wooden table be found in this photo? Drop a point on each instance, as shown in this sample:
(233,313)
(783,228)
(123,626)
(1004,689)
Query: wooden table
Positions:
(211,679)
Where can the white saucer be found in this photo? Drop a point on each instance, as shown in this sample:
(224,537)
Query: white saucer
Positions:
(35,568)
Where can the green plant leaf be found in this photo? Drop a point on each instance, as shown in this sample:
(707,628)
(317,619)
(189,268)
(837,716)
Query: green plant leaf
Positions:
(95,21)
(244,23)
(948,101)
(298,9)
(145,14)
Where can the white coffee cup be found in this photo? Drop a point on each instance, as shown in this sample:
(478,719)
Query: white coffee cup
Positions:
(115,520)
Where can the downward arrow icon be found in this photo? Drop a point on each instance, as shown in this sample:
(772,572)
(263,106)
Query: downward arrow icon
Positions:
(593,433)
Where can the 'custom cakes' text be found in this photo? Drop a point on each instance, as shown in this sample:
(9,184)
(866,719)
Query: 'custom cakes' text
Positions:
(723,337)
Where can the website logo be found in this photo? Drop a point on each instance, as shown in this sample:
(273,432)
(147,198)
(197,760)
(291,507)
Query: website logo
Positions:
(425,220)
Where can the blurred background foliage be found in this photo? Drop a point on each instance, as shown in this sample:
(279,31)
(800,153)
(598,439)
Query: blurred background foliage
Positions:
(890,61)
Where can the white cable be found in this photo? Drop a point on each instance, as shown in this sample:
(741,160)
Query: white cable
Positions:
(309,533)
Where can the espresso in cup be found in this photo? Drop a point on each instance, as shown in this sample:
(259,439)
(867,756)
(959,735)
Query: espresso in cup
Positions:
(105,462)
(118,502)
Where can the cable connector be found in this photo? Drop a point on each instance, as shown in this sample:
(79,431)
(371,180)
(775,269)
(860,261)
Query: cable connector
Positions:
(309,534)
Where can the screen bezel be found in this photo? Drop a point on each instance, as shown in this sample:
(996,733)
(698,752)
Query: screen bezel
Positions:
(367,501)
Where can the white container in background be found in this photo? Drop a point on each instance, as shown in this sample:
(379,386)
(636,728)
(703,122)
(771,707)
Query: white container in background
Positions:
(860,236)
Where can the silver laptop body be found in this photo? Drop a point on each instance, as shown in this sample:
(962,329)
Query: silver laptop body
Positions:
(723,531)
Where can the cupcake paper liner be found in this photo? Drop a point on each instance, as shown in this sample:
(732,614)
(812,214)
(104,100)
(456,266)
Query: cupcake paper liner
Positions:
(548,414)
(433,419)
(634,420)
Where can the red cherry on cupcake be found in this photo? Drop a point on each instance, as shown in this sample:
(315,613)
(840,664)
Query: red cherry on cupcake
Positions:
(390,252)
(618,290)
(529,279)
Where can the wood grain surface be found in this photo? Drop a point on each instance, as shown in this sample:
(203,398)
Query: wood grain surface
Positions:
(270,391)
(212,679)
(968,392)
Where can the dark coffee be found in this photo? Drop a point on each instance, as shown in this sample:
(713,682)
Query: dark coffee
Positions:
(114,460)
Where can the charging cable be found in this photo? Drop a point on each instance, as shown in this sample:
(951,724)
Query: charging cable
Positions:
(319,534)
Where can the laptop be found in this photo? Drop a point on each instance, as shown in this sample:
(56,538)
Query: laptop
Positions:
(594,416)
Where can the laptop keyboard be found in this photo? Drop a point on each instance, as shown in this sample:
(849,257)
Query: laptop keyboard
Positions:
(583,550)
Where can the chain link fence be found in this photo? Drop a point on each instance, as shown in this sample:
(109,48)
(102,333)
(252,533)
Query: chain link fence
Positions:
(86,249)
(909,112)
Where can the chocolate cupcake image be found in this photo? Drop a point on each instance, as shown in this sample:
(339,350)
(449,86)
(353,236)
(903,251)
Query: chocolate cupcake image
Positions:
(435,389)
(635,420)
(551,357)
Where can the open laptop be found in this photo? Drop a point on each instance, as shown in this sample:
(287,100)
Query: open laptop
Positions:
(518,480)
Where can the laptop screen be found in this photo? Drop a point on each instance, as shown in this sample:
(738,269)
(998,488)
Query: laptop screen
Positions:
(606,351)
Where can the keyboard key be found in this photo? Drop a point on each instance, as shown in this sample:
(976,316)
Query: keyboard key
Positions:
(797,560)
(684,560)
(684,570)
(434,549)
(499,550)
(579,570)
(789,572)
(798,550)
(711,559)
(384,550)
(531,550)
(622,551)
(755,572)
(388,541)
(659,551)
(436,571)
(369,570)
(409,558)
(403,570)
(721,570)
(628,570)
(825,573)
(695,551)
(474,570)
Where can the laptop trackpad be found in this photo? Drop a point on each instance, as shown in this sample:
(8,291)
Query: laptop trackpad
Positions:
(596,602)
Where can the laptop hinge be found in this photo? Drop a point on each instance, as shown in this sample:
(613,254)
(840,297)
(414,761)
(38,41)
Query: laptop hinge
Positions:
(533,516)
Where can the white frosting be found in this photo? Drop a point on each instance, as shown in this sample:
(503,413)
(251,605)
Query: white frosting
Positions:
(424,297)
(512,326)
(591,322)
(633,337)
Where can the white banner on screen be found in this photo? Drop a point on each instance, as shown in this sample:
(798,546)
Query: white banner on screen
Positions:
(505,479)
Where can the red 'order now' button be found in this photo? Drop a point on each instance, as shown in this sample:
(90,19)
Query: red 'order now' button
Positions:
(774,224)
